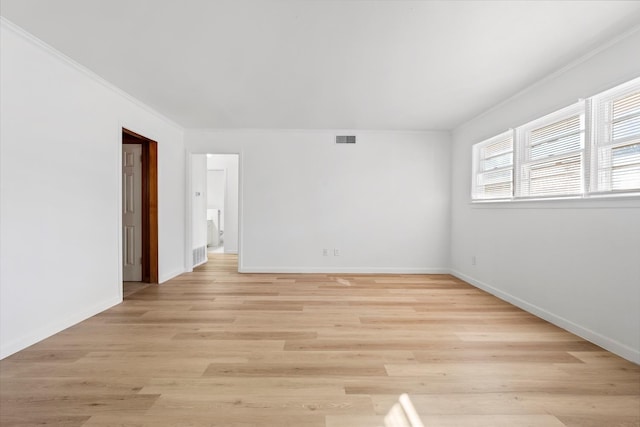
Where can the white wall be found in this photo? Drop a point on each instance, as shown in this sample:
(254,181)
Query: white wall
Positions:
(575,263)
(216,184)
(60,195)
(383,202)
(230,164)
(199,200)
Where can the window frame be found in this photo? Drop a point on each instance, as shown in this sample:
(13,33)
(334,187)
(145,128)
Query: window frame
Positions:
(478,170)
(525,162)
(603,140)
(589,154)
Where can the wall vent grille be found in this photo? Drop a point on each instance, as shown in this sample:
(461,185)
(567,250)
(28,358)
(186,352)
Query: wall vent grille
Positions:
(345,139)
(199,255)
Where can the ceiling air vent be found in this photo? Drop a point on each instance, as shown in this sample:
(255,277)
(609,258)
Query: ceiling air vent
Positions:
(345,139)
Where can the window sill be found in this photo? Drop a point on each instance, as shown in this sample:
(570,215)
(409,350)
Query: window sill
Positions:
(626,200)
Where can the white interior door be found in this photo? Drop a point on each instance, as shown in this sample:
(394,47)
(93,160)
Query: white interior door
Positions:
(132,212)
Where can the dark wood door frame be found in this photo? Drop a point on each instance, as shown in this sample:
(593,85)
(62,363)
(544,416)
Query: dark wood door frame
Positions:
(149,203)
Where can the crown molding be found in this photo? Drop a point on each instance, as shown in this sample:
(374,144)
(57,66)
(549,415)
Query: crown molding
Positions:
(559,72)
(10,26)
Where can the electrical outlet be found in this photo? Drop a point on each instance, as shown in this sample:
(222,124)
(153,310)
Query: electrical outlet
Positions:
(336,252)
(325,252)
(473,260)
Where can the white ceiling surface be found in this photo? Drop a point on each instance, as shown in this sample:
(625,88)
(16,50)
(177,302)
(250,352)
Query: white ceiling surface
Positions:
(403,65)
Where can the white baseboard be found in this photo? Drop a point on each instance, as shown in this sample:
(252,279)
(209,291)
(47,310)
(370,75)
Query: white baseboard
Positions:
(607,343)
(204,261)
(169,276)
(345,270)
(55,327)
(231,252)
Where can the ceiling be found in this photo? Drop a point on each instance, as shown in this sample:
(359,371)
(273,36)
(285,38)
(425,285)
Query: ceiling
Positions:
(305,64)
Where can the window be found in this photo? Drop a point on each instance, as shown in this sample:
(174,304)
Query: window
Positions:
(551,153)
(493,168)
(616,147)
(589,148)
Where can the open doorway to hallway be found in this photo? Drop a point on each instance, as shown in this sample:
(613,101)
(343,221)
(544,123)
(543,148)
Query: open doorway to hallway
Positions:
(215,205)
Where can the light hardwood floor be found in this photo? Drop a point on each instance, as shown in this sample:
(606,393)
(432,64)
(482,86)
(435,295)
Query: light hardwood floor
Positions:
(217,348)
(129,288)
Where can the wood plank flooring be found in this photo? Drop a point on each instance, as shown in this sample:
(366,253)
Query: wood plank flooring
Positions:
(217,348)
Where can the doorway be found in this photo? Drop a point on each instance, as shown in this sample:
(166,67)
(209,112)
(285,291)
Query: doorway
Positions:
(222,203)
(215,208)
(139,208)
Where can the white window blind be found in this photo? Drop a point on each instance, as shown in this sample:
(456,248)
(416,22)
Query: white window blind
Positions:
(616,146)
(551,154)
(589,148)
(493,168)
